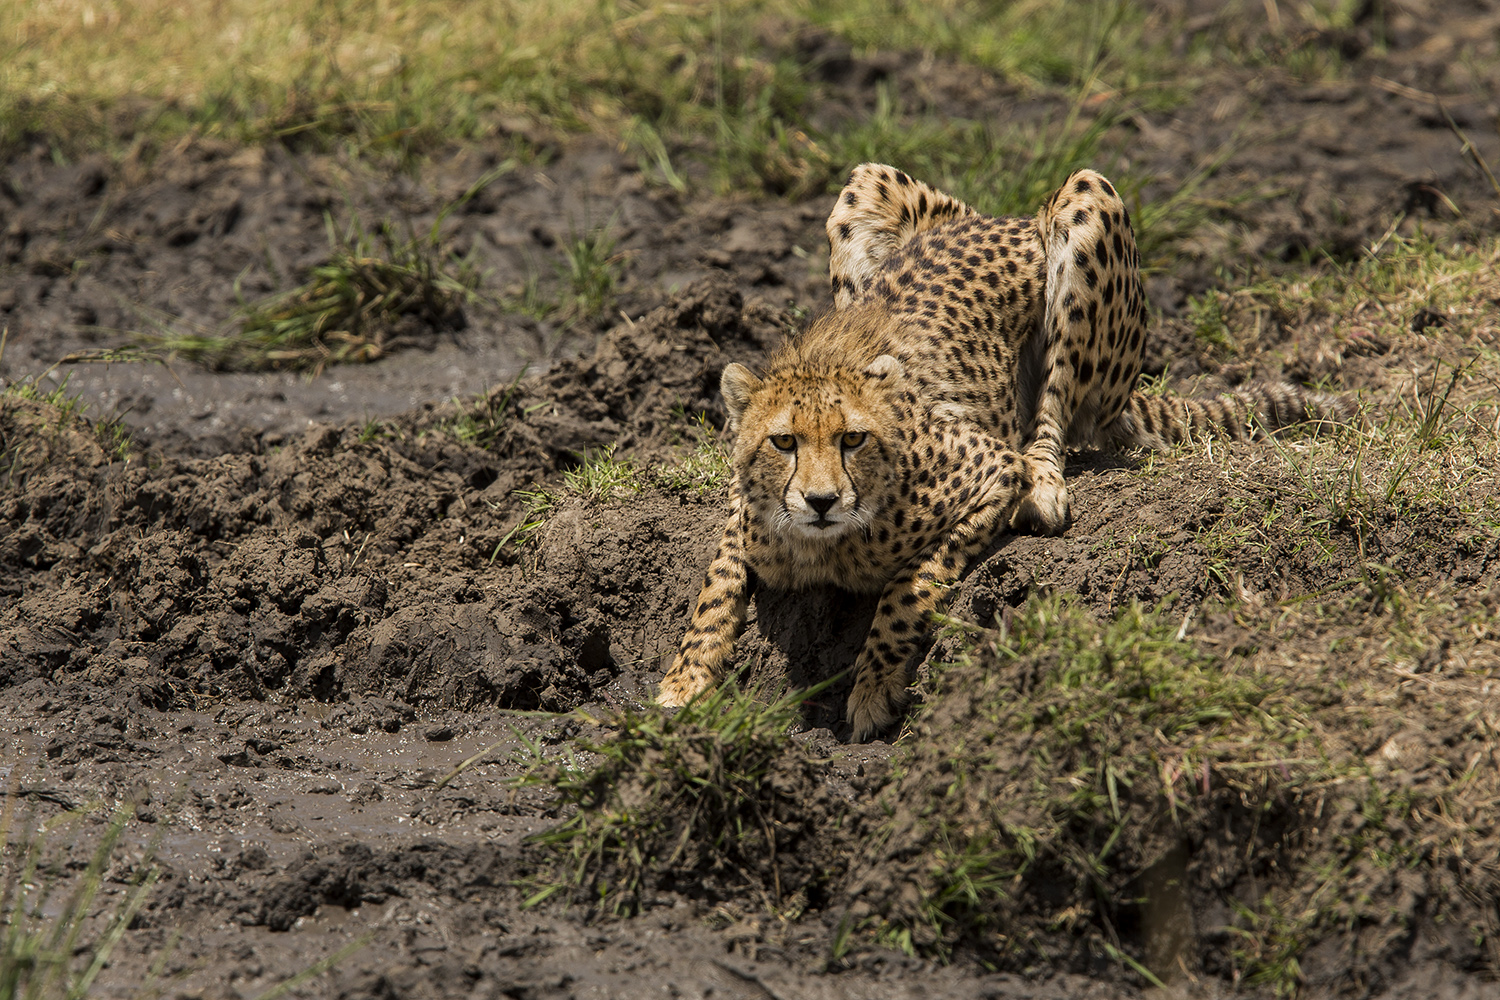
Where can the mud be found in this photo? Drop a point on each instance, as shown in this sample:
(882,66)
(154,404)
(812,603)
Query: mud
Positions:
(304,601)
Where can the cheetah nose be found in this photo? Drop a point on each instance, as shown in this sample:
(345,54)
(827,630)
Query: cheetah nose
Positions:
(822,503)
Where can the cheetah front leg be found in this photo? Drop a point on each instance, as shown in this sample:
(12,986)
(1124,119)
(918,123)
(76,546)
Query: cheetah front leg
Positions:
(908,601)
(718,619)
(1094,324)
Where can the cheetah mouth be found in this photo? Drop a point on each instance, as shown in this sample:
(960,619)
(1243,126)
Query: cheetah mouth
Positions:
(822,529)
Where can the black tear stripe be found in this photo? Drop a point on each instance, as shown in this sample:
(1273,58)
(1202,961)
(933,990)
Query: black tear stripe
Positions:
(787,486)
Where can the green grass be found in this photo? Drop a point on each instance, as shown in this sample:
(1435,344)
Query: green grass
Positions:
(1428,448)
(481,420)
(601,476)
(1039,779)
(538,506)
(588,272)
(1064,758)
(39,425)
(999,172)
(721,82)
(1404,808)
(721,94)
(373,430)
(716,94)
(1012,170)
(703,470)
(50,948)
(1376,302)
(1029,42)
(1270,942)
(706,797)
(67,407)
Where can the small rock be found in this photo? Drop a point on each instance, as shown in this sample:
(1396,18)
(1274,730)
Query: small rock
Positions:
(1425,319)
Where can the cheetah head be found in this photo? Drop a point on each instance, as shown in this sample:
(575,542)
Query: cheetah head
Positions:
(815,453)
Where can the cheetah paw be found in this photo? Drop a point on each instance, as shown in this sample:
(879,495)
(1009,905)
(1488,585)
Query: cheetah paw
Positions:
(1044,509)
(872,709)
(681,685)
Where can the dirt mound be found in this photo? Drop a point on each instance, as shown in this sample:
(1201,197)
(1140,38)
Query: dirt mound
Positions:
(712,804)
(1088,791)
(339,566)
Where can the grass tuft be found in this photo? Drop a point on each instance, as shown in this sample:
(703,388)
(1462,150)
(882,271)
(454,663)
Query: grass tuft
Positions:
(586,273)
(481,420)
(589,270)
(377,293)
(40,426)
(600,477)
(708,800)
(47,948)
(1047,766)
(706,469)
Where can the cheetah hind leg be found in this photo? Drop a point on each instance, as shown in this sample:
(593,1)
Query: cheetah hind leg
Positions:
(877,212)
(1094,323)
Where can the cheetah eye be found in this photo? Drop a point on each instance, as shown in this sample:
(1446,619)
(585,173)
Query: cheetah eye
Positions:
(853,439)
(784,442)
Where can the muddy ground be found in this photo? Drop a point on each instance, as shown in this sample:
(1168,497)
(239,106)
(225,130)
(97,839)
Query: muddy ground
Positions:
(304,601)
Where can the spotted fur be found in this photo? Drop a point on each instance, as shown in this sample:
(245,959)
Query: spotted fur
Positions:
(930,409)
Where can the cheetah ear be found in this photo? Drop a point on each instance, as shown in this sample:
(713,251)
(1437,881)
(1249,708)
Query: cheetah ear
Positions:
(736,385)
(885,366)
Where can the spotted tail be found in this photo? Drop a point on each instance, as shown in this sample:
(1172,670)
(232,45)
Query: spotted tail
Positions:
(1250,411)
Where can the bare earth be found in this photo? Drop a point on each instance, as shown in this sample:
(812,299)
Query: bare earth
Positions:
(275,631)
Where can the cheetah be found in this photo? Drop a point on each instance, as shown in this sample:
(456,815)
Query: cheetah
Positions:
(930,409)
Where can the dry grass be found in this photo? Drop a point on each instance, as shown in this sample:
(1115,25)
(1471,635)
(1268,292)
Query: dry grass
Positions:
(547,53)
(403,74)
(376,293)
(1430,439)
(1404,292)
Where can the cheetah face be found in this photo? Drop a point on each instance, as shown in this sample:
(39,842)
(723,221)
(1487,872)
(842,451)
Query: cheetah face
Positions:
(814,457)
(817,455)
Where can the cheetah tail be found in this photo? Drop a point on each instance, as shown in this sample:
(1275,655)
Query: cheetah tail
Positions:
(1249,411)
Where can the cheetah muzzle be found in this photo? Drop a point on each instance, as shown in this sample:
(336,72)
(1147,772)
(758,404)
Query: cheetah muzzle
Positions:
(929,411)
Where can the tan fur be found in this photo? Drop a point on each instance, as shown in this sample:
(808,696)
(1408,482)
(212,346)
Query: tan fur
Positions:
(903,431)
